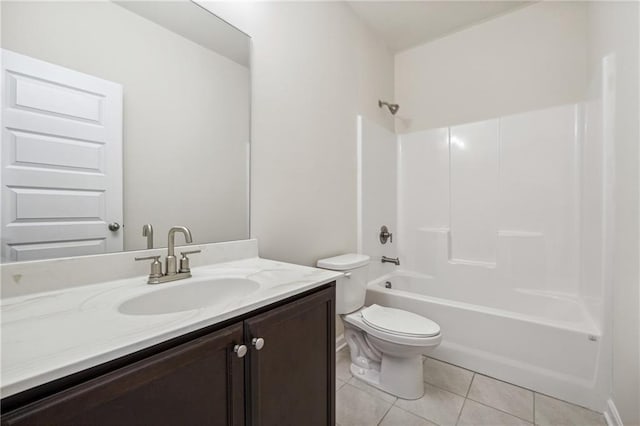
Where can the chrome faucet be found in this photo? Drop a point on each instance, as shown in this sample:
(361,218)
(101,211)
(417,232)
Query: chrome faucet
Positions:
(171,272)
(394,260)
(172,264)
(147,231)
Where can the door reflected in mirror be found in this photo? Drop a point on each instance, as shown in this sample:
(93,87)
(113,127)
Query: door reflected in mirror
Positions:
(120,115)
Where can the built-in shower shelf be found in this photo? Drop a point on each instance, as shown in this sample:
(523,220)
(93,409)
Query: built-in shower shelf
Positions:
(478,263)
(523,234)
(437,230)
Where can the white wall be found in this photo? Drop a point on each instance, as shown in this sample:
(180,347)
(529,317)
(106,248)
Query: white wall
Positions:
(613,29)
(530,59)
(173,160)
(315,67)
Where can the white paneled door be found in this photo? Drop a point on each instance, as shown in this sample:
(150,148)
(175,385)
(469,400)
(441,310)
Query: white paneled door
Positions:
(61,161)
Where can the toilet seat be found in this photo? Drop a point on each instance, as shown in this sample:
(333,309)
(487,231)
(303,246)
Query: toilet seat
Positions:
(399,322)
(356,319)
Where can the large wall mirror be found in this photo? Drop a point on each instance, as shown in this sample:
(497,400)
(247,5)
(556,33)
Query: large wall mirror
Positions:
(117,115)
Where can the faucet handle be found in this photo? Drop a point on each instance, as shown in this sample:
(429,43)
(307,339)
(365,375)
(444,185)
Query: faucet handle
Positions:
(156,265)
(385,235)
(184,260)
(148,257)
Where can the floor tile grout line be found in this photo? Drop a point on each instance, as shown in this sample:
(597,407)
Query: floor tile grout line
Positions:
(502,411)
(460,413)
(473,373)
(565,401)
(370,395)
(395,398)
(503,381)
(448,363)
(499,409)
(395,402)
(385,414)
(466,395)
(441,388)
(416,414)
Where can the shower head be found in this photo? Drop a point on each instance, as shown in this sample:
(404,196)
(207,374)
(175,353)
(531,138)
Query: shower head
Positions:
(393,108)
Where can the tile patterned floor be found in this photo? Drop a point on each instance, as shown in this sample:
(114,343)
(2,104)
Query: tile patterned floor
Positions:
(453,397)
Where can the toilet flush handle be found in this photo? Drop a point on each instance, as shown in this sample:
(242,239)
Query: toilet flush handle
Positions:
(347,274)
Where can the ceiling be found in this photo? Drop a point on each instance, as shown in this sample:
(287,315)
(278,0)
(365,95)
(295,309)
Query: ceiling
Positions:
(405,24)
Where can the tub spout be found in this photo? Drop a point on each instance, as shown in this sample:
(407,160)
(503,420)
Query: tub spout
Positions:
(394,260)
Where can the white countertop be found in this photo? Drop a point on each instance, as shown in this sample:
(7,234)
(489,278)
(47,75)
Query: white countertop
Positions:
(49,335)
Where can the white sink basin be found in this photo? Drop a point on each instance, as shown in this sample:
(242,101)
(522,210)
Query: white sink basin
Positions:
(188,296)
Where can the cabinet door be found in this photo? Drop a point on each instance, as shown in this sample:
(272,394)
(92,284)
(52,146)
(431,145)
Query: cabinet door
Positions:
(198,383)
(291,380)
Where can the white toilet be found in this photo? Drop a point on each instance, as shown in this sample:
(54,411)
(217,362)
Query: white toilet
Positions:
(386,344)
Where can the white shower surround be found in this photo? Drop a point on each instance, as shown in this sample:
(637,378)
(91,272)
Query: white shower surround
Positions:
(502,202)
(500,227)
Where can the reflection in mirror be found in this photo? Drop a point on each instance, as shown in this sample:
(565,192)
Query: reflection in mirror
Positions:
(116,116)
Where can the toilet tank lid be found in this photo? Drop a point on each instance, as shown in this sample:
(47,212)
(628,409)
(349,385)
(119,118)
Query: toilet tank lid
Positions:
(344,262)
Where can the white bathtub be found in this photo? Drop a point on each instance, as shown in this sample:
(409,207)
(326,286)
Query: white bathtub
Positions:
(546,343)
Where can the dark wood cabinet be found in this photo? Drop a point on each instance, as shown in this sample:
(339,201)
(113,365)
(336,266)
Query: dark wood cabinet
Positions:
(295,367)
(199,382)
(202,381)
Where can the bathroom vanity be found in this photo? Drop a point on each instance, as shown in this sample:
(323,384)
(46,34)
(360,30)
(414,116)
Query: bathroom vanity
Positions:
(265,356)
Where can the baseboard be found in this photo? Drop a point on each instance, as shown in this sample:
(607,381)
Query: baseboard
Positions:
(611,414)
(340,342)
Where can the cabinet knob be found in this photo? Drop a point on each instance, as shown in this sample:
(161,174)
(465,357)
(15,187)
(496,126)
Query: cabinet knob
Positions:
(240,350)
(257,342)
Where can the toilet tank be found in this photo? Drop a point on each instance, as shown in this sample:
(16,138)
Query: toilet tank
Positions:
(351,288)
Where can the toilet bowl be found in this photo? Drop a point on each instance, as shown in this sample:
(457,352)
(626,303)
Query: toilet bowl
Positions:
(386,344)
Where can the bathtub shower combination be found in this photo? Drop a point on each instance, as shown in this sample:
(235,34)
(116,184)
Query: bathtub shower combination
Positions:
(500,227)
(551,345)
